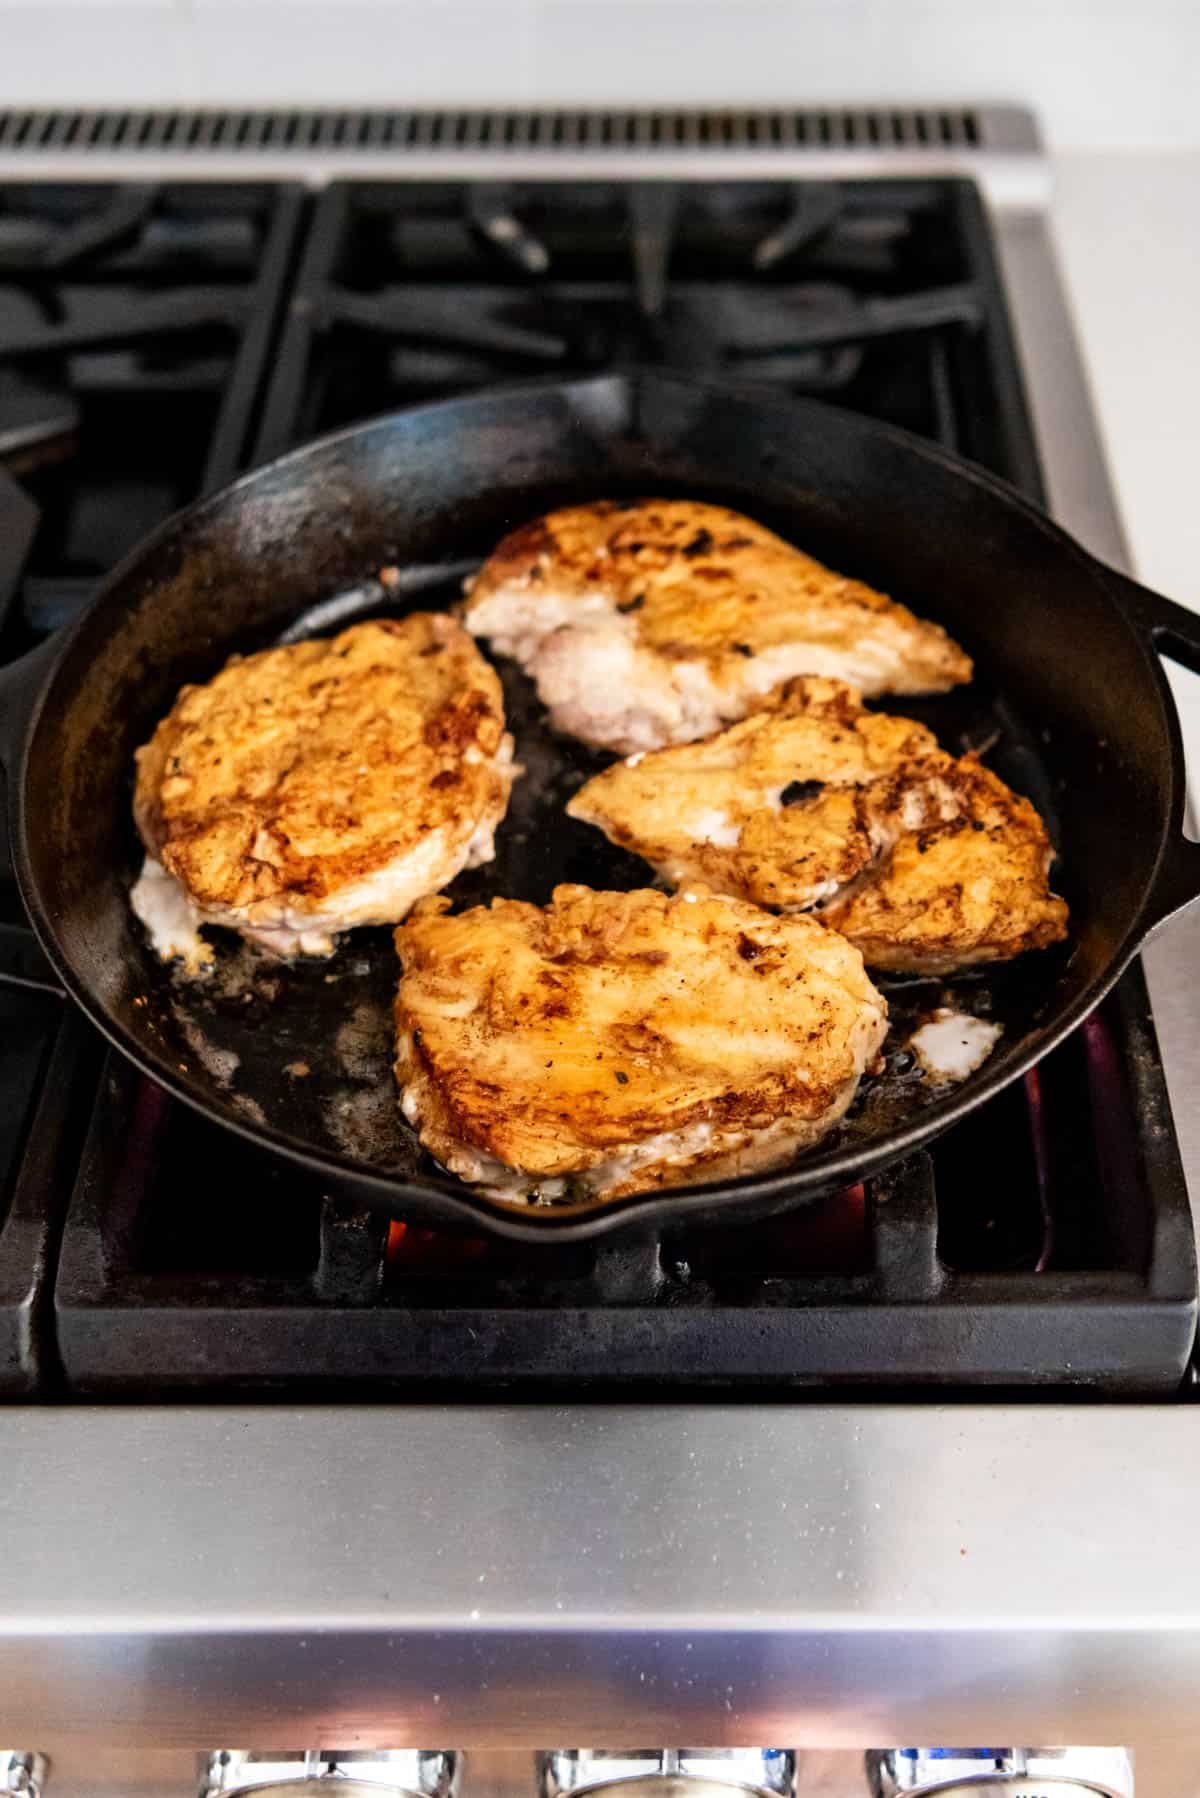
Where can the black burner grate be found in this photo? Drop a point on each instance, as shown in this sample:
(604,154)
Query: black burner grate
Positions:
(193,1263)
(135,323)
(881,295)
(48,1064)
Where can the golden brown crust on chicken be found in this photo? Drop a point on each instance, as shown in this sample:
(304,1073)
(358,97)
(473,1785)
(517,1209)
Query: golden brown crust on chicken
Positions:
(655,621)
(357,764)
(924,862)
(969,887)
(628,1040)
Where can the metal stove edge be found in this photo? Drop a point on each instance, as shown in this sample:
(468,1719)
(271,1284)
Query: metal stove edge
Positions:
(1082,499)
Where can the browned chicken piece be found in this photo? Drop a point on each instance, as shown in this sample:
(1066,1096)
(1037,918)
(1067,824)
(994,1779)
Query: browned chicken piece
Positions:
(321,785)
(926,863)
(657,621)
(615,1042)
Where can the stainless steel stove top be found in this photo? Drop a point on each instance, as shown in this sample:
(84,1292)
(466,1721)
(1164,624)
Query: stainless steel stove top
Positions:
(503,1577)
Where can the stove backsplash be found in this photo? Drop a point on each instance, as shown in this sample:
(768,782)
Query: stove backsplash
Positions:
(1129,82)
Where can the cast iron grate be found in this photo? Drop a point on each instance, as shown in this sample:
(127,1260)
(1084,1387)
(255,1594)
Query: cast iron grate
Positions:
(883,296)
(1038,1244)
(135,324)
(48,1064)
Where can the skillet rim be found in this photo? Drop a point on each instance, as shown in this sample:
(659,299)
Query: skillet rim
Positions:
(792,1185)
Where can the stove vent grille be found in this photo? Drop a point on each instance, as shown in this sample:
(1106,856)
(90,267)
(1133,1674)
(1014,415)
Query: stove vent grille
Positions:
(253,132)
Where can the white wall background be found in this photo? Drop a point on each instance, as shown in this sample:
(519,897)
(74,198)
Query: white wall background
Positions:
(1100,73)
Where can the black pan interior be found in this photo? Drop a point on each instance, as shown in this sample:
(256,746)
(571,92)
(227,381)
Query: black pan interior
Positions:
(304,1052)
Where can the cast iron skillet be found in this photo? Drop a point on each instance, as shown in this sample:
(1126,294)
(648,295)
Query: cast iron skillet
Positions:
(1069,694)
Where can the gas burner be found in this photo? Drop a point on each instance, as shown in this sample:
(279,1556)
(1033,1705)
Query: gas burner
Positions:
(324,1773)
(668,1772)
(1001,1772)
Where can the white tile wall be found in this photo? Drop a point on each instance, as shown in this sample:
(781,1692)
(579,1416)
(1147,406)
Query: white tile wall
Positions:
(1099,72)
(1128,233)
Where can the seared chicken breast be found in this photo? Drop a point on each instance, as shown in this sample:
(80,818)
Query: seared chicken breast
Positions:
(657,621)
(321,785)
(812,803)
(613,1042)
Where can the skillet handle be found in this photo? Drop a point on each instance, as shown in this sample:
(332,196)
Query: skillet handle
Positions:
(1174,631)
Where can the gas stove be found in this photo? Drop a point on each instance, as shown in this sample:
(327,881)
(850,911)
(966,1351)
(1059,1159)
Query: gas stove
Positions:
(700,1414)
(155,339)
